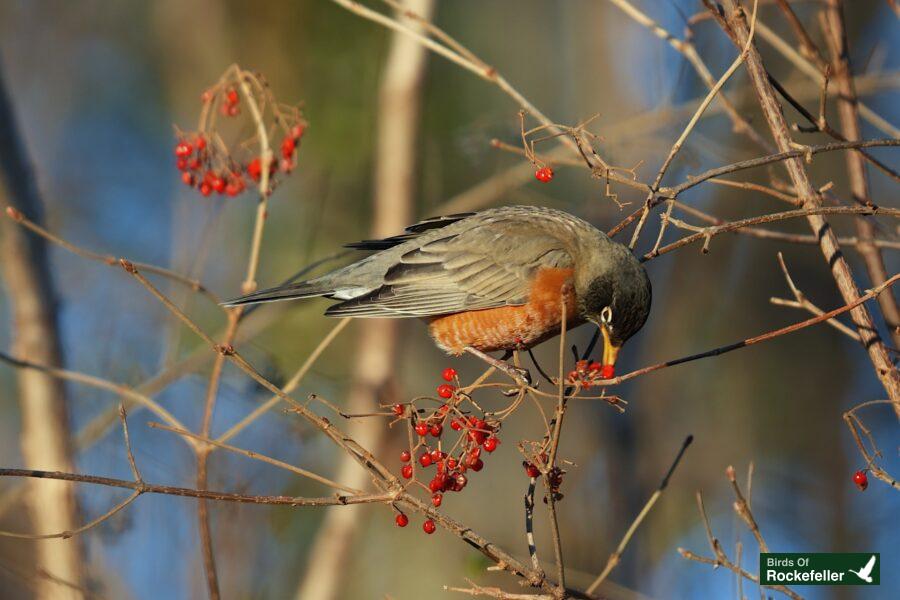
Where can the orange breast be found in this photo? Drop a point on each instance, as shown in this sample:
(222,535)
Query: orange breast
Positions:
(507,327)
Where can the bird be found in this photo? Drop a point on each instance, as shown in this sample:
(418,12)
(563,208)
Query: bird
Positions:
(487,281)
(866,572)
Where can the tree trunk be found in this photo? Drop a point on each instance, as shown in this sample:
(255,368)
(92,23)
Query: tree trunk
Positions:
(399,106)
(45,428)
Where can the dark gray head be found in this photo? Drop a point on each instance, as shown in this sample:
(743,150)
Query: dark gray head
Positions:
(613,292)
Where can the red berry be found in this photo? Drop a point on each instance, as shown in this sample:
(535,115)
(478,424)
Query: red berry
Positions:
(194,164)
(201,142)
(436,499)
(181,163)
(594,366)
(402,520)
(286,165)
(232,190)
(531,470)
(405,456)
(187,178)
(861,480)
(449,374)
(183,149)
(445,390)
(460,482)
(608,372)
(218,184)
(428,527)
(297,131)
(288,145)
(254,169)
(233,110)
(422,428)
(437,484)
(455,425)
(436,430)
(476,465)
(490,444)
(544,174)
(205,189)
(398,409)
(425,460)
(437,455)
(406,471)
(231,96)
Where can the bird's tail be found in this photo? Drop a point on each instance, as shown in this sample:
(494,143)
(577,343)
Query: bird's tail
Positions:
(304,289)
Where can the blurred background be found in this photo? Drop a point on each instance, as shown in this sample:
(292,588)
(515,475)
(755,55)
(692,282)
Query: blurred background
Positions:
(97,87)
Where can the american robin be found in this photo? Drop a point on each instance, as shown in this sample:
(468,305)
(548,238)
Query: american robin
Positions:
(490,280)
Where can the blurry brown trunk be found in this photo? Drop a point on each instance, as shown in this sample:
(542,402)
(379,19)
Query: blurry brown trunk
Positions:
(399,106)
(45,428)
(848,109)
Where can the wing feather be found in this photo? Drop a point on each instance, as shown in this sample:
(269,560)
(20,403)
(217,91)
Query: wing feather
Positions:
(471,269)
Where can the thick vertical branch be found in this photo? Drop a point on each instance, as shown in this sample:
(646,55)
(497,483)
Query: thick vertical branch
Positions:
(736,25)
(399,106)
(45,428)
(848,110)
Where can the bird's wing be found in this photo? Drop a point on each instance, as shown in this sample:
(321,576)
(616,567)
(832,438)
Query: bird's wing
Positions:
(481,266)
(412,232)
(867,570)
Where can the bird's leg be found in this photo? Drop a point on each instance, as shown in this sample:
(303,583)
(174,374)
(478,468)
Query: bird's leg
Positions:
(520,375)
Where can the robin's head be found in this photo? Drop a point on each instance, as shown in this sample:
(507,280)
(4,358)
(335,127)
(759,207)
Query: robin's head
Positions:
(615,294)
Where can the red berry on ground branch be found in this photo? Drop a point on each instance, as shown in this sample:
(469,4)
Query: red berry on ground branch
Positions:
(544,174)
(428,527)
(405,456)
(436,499)
(436,430)
(297,131)
(183,149)
(861,480)
(201,143)
(406,471)
(398,409)
(422,428)
(455,425)
(205,189)
(231,96)
(445,390)
(490,444)
(607,372)
(449,374)
(531,470)
(425,460)
(402,520)
(187,178)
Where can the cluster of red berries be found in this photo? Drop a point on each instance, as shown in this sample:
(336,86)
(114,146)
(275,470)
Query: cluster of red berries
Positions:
(197,162)
(194,160)
(544,174)
(861,479)
(476,435)
(590,373)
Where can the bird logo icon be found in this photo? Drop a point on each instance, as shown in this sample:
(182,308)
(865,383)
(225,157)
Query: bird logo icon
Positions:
(866,572)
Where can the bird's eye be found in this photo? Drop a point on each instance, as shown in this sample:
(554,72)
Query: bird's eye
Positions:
(606,316)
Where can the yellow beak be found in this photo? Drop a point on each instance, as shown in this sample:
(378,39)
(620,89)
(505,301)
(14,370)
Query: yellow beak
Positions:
(610,351)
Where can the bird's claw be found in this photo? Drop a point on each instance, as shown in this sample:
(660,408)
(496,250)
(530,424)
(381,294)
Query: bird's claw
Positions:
(522,376)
